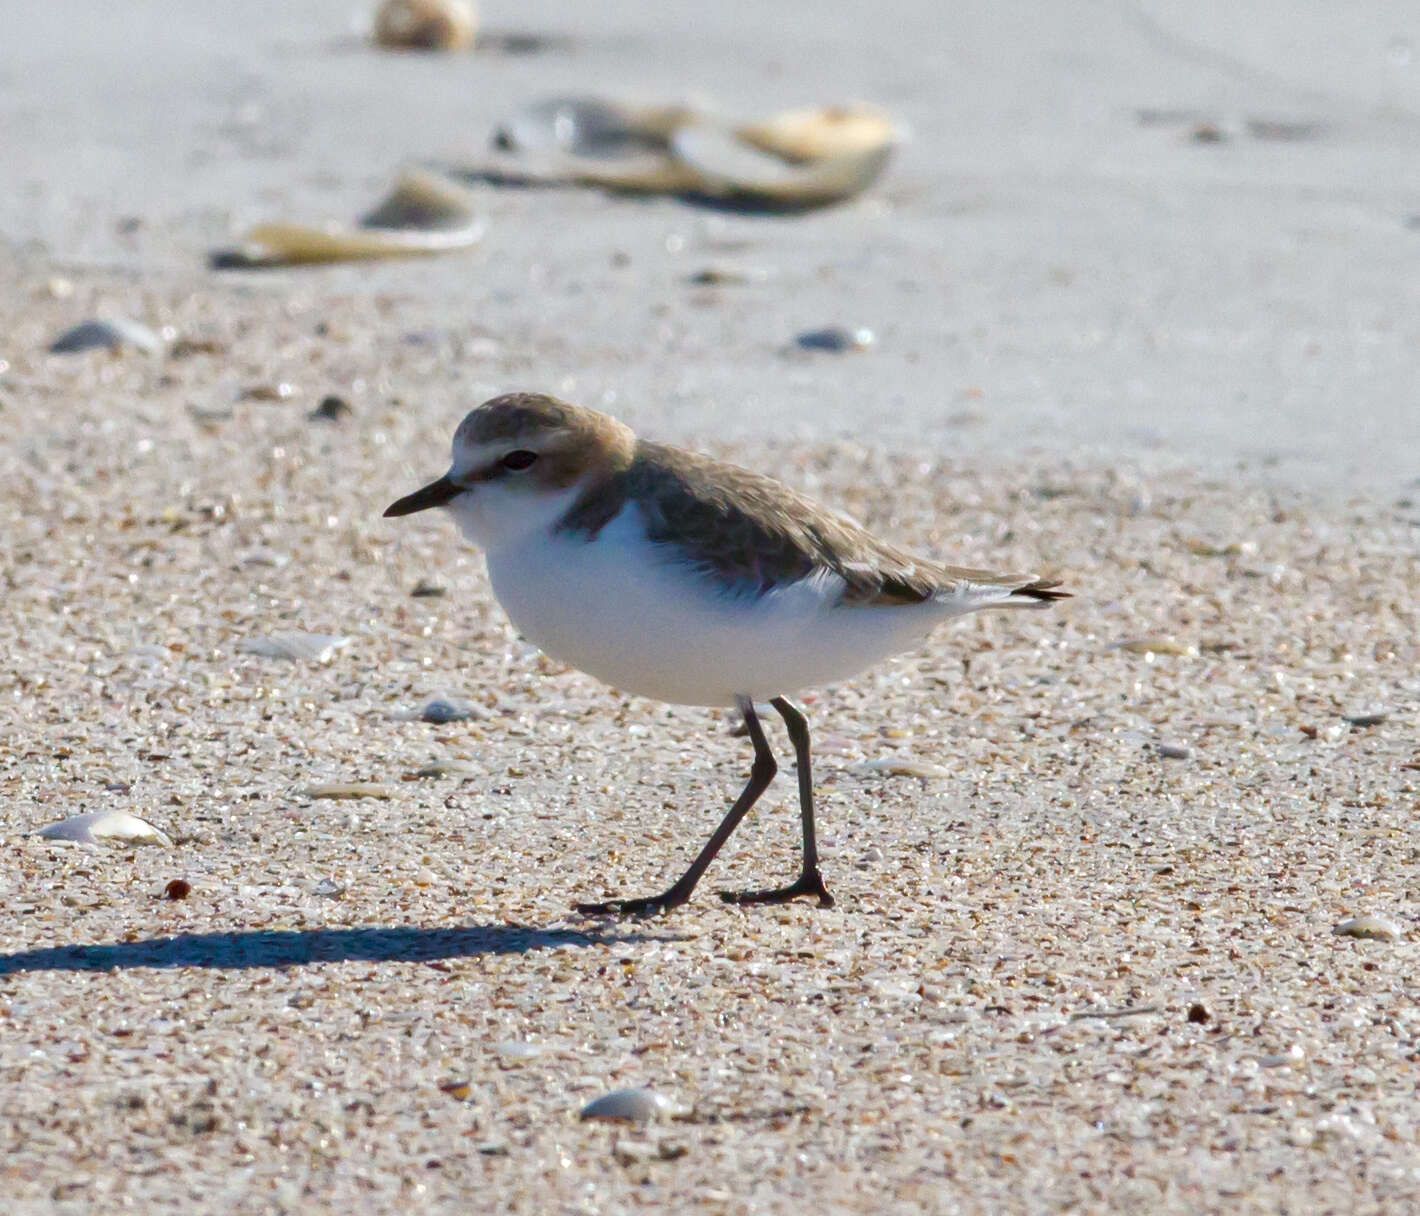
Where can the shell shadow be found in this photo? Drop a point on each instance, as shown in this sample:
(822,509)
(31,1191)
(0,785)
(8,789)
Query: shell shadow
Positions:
(238,951)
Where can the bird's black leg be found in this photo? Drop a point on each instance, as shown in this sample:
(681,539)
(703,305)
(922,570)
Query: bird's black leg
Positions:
(810,881)
(761,773)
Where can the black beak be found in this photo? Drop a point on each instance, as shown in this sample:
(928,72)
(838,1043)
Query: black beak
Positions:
(435,494)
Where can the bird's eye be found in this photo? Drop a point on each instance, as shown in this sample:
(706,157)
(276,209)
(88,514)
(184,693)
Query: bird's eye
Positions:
(519,460)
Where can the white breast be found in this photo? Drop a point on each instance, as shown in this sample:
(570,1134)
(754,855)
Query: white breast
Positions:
(622,609)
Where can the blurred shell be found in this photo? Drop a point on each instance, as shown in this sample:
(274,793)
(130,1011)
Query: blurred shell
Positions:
(638,1105)
(425,25)
(1375,928)
(106,826)
(318,647)
(106,335)
(424,214)
(795,160)
(345,790)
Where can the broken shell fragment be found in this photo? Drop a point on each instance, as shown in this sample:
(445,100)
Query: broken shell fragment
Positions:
(636,1105)
(903,766)
(345,790)
(424,214)
(1372,928)
(315,647)
(111,335)
(425,25)
(106,827)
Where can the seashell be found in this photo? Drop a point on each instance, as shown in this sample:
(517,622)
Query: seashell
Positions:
(902,766)
(424,214)
(1157,645)
(111,335)
(637,1105)
(791,161)
(317,647)
(328,889)
(425,25)
(725,165)
(424,589)
(448,709)
(106,826)
(345,790)
(1373,928)
(590,127)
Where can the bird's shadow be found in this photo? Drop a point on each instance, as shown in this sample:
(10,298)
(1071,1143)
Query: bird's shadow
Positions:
(302,948)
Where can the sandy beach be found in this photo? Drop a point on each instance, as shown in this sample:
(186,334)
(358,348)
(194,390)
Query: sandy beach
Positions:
(1141,292)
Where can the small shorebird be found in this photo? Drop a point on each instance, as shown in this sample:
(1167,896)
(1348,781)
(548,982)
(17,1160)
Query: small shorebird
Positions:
(679,577)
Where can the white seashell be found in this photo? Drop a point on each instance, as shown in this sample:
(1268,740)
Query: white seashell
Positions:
(637,1105)
(106,826)
(318,647)
(106,335)
(1374,928)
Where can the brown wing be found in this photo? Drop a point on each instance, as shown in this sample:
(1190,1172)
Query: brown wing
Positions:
(758,534)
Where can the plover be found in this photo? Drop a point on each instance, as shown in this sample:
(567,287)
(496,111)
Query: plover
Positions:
(676,576)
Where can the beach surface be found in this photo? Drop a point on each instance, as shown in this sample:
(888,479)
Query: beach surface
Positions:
(1141,292)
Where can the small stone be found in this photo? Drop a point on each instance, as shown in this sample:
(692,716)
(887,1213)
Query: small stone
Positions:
(1373,928)
(636,1105)
(1371,719)
(424,589)
(447,709)
(178,888)
(106,335)
(1173,751)
(331,409)
(1198,1013)
(459,1090)
(328,889)
(835,339)
(104,827)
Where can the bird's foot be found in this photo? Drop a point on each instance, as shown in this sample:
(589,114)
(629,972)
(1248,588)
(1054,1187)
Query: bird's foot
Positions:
(652,905)
(810,882)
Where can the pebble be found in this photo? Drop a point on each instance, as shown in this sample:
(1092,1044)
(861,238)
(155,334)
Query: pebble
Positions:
(1173,751)
(331,409)
(1370,719)
(178,888)
(328,889)
(318,647)
(448,709)
(1373,928)
(106,826)
(424,589)
(106,335)
(835,339)
(636,1105)
(444,768)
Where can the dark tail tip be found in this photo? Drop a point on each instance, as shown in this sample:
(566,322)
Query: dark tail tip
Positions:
(1044,590)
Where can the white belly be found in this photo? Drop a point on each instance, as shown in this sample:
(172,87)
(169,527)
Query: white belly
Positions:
(619,610)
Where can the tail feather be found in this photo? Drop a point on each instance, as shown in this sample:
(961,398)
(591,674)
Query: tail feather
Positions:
(1043,591)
